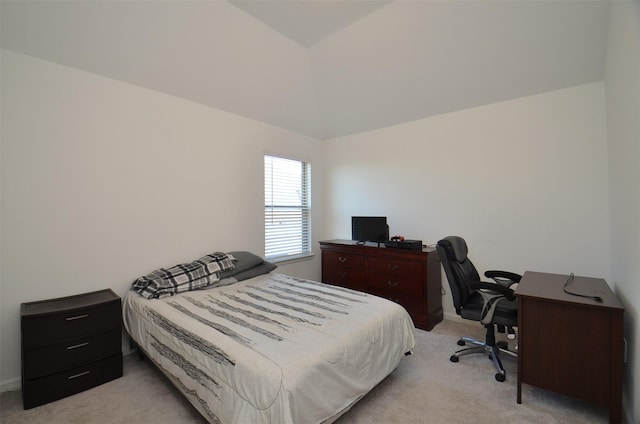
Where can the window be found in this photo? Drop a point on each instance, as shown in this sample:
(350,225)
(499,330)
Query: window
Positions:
(287,208)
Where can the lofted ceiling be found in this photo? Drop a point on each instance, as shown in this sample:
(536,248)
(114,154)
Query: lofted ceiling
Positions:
(309,21)
(324,68)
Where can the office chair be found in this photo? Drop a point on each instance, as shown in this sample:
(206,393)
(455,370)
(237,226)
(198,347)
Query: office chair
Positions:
(492,304)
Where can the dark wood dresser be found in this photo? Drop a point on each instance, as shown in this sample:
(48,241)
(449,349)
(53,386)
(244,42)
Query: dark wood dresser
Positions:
(69,344)
(408,277)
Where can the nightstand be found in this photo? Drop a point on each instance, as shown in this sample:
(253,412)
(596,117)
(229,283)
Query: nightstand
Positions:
(69,345)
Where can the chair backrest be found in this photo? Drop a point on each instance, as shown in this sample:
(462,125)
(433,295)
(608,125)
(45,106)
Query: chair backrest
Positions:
(459,269)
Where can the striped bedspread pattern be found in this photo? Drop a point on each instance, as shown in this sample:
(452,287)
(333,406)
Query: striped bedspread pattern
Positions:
(272,349)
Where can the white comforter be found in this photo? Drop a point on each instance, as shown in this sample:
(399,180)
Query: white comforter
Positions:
(272,349)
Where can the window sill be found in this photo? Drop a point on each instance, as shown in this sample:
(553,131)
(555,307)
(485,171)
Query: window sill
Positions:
(282,260)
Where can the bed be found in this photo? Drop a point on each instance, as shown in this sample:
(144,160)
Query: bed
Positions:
(257,346)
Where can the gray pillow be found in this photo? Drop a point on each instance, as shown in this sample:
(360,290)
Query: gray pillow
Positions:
(244,261)
(263,268)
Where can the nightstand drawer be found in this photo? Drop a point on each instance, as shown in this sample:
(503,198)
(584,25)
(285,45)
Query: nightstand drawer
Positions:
(55,357)
(57,386)
(41,330)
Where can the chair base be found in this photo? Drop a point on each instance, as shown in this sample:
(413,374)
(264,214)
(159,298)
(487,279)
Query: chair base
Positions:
(491,349)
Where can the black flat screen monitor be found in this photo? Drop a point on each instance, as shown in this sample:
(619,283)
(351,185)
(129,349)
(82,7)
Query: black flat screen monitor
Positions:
(369,228)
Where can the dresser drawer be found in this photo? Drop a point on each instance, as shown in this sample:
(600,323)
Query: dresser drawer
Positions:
(69,324)
(54,357)
(412,304)
(57,386)
(343,260)
(396,267)
(395,284)
(344,269)
(346,277)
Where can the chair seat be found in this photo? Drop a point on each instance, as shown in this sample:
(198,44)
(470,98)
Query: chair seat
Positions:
(506,312)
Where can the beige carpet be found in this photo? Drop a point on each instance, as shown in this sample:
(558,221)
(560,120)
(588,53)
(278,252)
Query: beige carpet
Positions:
(426,388)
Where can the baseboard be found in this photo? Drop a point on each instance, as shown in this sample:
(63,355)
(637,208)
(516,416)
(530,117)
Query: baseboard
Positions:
(626,413)
(11,385)
(129,351)
(456,318)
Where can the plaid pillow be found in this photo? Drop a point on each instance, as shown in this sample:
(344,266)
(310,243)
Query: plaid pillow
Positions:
(195,275)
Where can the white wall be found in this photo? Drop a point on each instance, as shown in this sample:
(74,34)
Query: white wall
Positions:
(523,181)
(622,84)
(413,59)
(104,181)
(210,52)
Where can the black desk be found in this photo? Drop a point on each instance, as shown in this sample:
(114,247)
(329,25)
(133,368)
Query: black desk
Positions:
(569,344)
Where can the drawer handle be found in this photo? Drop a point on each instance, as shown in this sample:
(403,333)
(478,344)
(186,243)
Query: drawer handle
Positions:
(71,377)
(78,345)
(341,259)
(393,267)
(343,274)
(77,317)
(392,283)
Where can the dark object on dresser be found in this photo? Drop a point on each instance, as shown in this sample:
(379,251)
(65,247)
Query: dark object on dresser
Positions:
(492,304)
(404,244)
(69,345)
(408,277)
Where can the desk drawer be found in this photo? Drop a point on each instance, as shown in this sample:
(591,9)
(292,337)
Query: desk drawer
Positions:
(41,330)
(57,386)
(55,357)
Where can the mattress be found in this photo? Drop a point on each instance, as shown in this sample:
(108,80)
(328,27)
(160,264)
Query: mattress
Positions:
(271,349)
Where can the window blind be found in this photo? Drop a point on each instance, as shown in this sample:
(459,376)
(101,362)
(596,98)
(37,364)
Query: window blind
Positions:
(287,210)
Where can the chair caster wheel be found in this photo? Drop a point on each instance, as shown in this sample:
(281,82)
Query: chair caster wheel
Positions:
(500,377)
(461,343)
(454,358)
